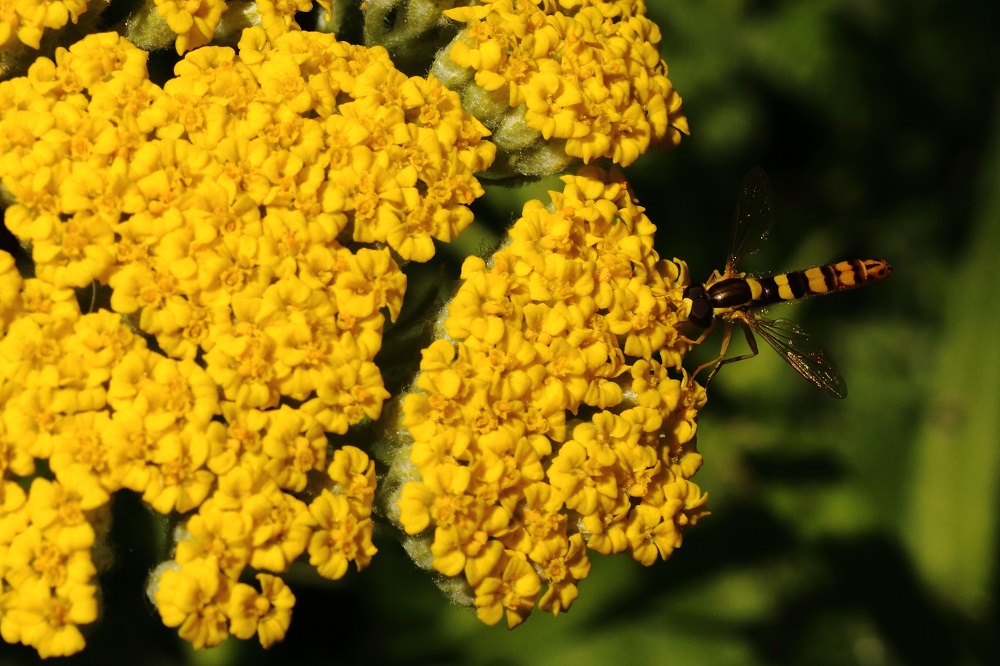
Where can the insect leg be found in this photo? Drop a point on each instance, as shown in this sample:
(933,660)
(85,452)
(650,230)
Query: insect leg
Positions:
(726,337)
(751,342)
(701,337)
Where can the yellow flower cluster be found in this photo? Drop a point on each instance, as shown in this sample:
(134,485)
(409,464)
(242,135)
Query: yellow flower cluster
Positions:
(28,19)
(544,421)
(243,216)
(84,394)
(52,398)
(250,521)
(583,78)
(216,207)
(46,565)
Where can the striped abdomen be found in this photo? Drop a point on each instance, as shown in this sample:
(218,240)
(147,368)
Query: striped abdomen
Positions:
(819,280)
(742,293)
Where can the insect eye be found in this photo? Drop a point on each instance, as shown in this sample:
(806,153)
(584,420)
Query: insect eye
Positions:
(701,311)
(694,292)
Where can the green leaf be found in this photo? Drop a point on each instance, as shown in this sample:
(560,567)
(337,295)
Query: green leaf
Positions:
(951,526)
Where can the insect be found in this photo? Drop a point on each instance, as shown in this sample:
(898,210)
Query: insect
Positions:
(733,297)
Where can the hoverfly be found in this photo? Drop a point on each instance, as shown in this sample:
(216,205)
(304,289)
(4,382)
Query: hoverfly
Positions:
(736,298)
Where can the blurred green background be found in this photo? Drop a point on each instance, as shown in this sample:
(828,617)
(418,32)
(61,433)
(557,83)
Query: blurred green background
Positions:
(861,531)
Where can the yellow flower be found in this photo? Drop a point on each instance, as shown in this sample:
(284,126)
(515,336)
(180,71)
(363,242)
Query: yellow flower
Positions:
(606,533)
(61,511)
(354,393)
(441,496)
(214,208)
(47,305)
(267,613)
(245,431)
(30,18)
(274,622)
(194,598)
(99,343)
(649,535)
(562,563)
(281,527)
(341,536)
(244,608)
(130,449)
(217,534)
(36,553)
(75,253)
(654,527)
(14,461)
(277,17)
(78,449)
(168,393)
(638,466)
(538,518)
(178,480)
(463,542)
(30,418)
(512,588)
(294,445)
(551,105)
(48,619)
(241,364)
(584,474)
(353,475)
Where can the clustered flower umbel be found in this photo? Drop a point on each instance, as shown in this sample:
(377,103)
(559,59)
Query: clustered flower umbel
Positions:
(246,223)
(248,217)
(563,81)
(543,421)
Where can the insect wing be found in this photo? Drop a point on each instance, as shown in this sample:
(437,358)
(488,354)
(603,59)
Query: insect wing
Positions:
(801,353)
(753,219)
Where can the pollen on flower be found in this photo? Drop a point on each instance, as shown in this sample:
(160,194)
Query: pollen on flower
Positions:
(243,227)
(553,416)
(564,82)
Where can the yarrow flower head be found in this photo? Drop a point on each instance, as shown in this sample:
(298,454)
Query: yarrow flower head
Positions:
(247,221)
(552,416)
(563,81)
